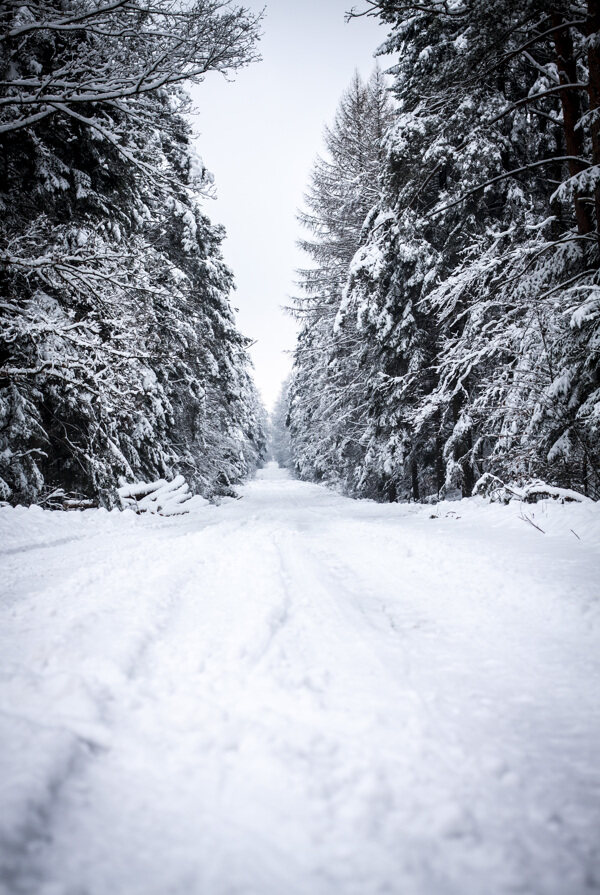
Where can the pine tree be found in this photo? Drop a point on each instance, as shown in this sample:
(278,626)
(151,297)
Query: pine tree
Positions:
(475,289)
(466,337)
(119,355)
(343,189)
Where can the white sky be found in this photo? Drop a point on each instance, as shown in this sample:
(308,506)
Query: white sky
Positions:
(259,136)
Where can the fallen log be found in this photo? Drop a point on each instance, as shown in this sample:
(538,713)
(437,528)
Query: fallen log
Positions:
(162,498)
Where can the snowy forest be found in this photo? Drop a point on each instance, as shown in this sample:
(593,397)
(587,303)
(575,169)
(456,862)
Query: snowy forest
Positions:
(119,354)
(349,645)
(450,308)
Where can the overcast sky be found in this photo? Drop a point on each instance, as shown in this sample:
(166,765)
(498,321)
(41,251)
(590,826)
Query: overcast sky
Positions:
(259,135)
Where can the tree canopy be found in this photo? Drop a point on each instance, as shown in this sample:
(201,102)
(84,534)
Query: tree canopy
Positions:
(119,354)
(471,302)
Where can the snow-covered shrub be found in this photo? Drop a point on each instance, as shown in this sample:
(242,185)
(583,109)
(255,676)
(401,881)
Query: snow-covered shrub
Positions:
(495,489)
(536,491)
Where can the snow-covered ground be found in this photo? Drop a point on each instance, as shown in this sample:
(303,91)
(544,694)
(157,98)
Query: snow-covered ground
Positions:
(300,694)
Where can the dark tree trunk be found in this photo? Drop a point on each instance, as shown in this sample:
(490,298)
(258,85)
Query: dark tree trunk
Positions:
(571,107)
(440,477)
(462,448)
(593,32)
(415,480)
(468,474)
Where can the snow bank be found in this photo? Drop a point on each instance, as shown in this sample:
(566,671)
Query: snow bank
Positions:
(579,519)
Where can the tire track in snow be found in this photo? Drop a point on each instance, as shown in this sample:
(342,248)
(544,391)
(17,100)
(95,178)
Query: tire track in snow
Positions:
(161,692)
(324,714)
(81,742)
(483,754)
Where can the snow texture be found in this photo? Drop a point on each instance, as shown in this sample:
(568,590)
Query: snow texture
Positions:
(300,693)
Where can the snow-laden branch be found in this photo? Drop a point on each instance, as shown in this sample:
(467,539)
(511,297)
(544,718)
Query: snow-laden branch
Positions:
(482,186)
(120,50)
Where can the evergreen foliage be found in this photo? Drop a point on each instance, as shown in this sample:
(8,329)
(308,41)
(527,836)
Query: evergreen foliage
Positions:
(344,187)
(119,354)
(472,302)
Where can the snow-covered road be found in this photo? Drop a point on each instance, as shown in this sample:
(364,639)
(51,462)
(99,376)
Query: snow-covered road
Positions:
(300,693)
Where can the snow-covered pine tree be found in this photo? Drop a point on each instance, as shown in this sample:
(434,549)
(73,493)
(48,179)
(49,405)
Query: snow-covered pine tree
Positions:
(344,186)
(119,354)
(475,293)
(422,436)
(518,359)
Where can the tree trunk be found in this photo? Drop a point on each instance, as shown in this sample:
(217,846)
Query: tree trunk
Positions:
(462,448)
(415,480)
(571,108)
(440,475)
(468,472)
(593,34)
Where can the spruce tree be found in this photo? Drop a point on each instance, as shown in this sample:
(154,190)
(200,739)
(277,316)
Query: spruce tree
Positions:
(344,187)
(466,336)
(119,356)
